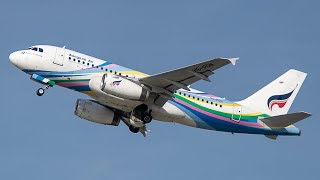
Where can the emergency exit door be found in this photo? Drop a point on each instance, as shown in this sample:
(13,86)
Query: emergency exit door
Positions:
(59,57)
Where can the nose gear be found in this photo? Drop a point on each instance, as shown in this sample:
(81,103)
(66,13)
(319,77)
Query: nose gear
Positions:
(42,80)
(41,91)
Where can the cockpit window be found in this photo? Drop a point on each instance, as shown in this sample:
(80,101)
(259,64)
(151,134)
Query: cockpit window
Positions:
(36,49)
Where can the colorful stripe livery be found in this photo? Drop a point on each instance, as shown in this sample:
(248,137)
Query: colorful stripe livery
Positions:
(203,108)
(78,80)
(208,117)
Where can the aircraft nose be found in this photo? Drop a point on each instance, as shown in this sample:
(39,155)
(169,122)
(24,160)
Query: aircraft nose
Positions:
(14,58)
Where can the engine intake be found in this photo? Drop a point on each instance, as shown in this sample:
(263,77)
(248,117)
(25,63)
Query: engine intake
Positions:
(95,112)
(123,88)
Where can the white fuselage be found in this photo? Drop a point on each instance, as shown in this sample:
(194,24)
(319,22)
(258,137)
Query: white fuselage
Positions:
(56,59)
(52,65)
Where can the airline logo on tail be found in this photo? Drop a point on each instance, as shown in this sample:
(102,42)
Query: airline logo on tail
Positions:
(279,100)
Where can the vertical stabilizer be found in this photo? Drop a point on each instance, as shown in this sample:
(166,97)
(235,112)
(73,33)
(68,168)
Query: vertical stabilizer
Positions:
(277,97)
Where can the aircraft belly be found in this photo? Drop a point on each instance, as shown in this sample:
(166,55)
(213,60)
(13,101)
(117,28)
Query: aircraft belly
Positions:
(170,113)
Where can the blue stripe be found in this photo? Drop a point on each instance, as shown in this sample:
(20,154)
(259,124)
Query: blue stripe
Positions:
(80,88)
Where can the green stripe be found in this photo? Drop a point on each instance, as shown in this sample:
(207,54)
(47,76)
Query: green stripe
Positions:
(76,80)
(227,115)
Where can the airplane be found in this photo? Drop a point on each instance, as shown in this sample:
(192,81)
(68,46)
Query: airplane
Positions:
(135,98)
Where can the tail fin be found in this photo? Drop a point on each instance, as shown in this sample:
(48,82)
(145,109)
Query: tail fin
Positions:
(277,97)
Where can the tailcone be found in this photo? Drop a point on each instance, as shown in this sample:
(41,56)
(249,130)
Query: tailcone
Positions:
(293,131)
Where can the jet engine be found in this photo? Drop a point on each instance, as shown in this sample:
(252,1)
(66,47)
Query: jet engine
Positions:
(95,112)
(123,88)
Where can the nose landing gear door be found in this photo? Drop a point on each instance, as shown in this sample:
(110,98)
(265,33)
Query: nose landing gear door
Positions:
(59,56)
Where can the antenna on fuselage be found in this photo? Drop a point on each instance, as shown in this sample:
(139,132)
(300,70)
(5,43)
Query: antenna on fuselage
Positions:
(64,47)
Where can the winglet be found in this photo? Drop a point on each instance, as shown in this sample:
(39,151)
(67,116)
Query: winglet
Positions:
(233,60)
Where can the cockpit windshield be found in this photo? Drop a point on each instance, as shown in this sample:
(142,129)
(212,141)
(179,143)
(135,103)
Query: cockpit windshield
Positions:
(36,49)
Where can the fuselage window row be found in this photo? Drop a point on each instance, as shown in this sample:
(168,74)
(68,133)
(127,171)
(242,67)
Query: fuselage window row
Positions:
(184,94)
(93,66)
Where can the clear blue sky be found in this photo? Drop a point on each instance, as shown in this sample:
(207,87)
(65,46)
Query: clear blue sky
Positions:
(41,138)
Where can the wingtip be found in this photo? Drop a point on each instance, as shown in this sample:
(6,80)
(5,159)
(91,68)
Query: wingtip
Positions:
(233,60)
(307,113)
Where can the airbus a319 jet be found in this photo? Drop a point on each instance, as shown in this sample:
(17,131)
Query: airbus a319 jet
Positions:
(122,94)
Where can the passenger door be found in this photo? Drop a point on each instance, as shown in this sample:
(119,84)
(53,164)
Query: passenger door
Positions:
(59,56)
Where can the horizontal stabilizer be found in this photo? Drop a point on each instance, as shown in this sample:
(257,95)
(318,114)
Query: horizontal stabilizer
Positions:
(285,120)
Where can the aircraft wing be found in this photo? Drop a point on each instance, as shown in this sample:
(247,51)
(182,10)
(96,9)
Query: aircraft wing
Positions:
(165,84)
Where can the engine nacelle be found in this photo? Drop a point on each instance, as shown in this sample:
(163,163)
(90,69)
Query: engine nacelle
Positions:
(123,88)
(95,112)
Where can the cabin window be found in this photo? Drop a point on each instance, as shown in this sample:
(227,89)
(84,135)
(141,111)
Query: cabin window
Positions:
(40,50)
(101,68)
(211,103)
(69,58)
(207,101)
(111,71)
(83,62)
(87,64)
(120,74)
(92,65)
(220,105)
